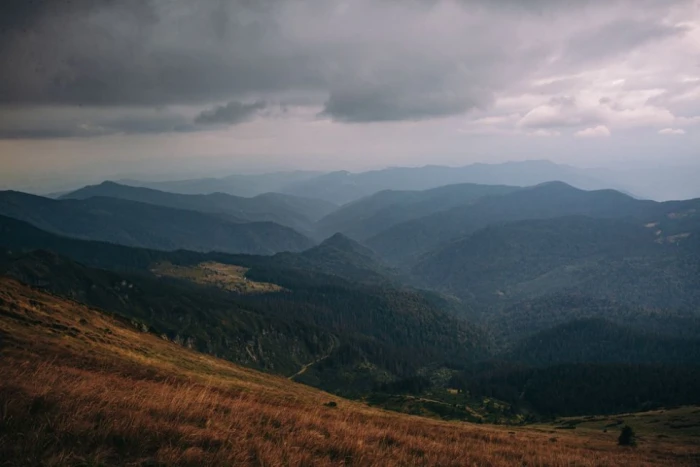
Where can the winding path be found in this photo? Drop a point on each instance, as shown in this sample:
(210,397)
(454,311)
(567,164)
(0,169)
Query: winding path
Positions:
(306,367)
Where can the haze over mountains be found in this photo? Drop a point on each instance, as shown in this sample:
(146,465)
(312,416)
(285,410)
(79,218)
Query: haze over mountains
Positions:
(291,211)
(342,187)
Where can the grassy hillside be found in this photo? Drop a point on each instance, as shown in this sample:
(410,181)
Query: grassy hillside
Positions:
(87,389)
(150,226)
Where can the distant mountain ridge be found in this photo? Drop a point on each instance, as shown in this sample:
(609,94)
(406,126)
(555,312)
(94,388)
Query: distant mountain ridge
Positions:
(369,216)
(598,257)
(341,187)
(247,185)
(405,242)
(146,225)
(291,211)
(336,256)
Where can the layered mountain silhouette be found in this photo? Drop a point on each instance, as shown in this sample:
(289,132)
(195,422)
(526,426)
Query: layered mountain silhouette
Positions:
(291,211)
(368,216)
(140,224)
(406,241)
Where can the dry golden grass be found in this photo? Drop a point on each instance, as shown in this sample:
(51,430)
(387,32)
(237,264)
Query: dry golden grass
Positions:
(80,388)
(225,276)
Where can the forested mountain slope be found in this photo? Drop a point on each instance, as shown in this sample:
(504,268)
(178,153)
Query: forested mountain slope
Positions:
(405,242)
(309,316)
(618,259)
(140,224)
(291,211)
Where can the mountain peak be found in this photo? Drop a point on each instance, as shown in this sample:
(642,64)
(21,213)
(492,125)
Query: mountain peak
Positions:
(343,242)
(340,243)
(557,184)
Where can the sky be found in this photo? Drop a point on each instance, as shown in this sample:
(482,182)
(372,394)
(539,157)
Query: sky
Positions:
(94,89)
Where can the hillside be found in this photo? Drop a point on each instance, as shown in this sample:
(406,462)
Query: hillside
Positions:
(135,399)
(207,320)
(336,256)
(368,216)
(596,340)
(291,211)
(367,333)
(596,257)
(585,388)
(341,256)
(405,242)
(511,323)
(146,225)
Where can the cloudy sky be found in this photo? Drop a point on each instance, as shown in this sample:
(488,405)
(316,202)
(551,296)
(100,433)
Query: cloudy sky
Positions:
(107,88)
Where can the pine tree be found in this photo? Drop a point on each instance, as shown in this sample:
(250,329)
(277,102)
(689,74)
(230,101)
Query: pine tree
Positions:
(627,437)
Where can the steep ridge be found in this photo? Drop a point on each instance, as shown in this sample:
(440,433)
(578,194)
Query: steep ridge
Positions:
(146,225)
(341,256)
(336,256)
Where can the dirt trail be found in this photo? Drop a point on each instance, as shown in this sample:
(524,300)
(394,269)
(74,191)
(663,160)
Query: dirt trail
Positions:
(308,365)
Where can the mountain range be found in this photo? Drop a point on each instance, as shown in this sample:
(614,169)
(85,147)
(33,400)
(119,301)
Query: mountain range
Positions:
(342,187)
(399,298)
(405,242)
(291,211)
(147,225)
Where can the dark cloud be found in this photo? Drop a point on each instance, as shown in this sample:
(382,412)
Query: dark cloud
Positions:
(59,122)
(371,103)
(230,114)
(363,61)
(148,53)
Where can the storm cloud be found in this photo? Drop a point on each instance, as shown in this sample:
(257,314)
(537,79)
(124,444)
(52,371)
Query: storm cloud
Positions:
(175,65)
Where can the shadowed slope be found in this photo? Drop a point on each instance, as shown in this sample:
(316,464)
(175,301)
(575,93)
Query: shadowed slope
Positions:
(146,225)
